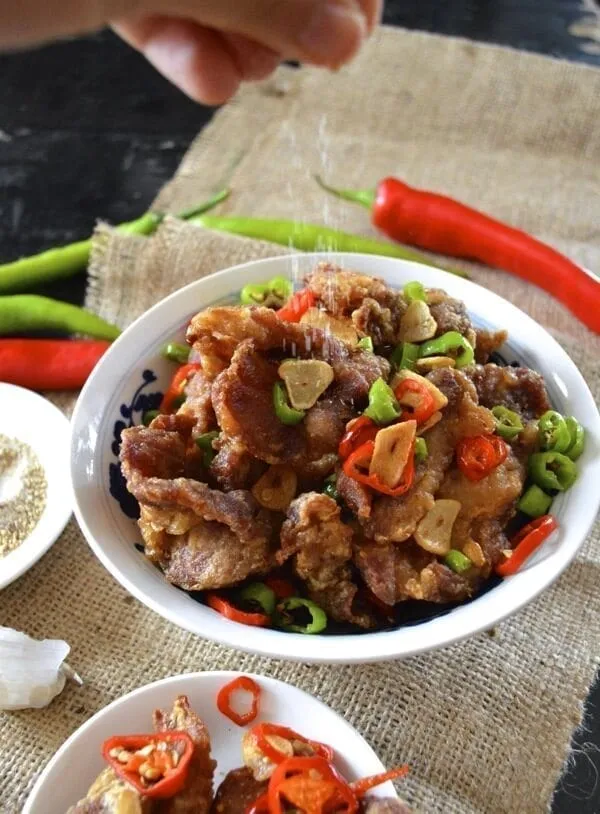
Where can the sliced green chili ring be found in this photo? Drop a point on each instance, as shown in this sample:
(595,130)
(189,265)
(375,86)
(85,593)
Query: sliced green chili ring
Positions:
(205,443)
(450,344)
(405,355)
(254,294)
(280,290)
(257,593)
(457,561)
(383,405)
(330,488)
(414,291)
(284,412)
(552,471)
(149,416)
(366,343)
(577,438)
(534,502)
(286,615)
(421,451)
(553,433)
(176,352)
(508,423)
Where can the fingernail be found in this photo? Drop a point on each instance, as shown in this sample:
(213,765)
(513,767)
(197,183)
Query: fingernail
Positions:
(334,33)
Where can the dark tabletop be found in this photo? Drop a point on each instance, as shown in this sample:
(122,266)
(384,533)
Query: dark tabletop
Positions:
(72,150)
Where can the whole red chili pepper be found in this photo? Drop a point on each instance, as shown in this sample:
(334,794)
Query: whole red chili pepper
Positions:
(49,364)
(445,226)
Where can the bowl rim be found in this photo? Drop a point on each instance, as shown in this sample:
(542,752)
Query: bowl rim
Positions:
(501,602)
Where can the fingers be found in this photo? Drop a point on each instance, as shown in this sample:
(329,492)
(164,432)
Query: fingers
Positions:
(194,58)
(322,32)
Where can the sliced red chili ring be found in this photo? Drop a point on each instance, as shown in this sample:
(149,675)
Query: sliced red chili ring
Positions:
(246,684)
(261,731)
(175,389)
(357,464)
(525,542)
(424,407)
(358,431)
(297,306)
(330,787)
(282,588)
(229,611)
(172,778)
(479,455)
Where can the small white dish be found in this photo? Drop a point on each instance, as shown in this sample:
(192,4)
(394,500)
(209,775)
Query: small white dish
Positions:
(35,421)
(72,770)
(129,380)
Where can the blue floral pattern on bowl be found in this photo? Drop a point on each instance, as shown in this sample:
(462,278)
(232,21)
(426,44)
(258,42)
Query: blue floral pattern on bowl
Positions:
(140,403)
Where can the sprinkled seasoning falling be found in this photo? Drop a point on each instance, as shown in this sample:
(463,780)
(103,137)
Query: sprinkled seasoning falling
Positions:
(23,491)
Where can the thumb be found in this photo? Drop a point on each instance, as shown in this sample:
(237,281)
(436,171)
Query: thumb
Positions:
(323,32)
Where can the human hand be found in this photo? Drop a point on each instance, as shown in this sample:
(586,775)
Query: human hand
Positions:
(206,47)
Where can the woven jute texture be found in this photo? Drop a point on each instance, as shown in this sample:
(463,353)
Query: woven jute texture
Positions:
(485,724)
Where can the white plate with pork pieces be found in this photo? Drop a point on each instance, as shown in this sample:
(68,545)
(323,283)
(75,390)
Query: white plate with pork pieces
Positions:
(253,511)
(99,767)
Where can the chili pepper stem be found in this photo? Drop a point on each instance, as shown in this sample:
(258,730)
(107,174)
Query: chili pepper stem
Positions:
(364,197)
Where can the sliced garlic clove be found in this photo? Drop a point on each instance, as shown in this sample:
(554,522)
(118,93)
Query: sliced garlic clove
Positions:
(430,363)
(343,329)
(393,447)
(417,323)
(474,552)
(305,380)
(439,398)
(431,422)
(276,489)
(32,672)
(434,532)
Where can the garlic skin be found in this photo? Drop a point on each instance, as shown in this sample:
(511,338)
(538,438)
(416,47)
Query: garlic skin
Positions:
(31,671)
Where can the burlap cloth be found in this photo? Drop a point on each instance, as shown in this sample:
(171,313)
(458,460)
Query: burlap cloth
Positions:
(486,724)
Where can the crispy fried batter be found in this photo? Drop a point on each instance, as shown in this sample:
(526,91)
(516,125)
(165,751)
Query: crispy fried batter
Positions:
(198,404)
(342,292)
(518,388)
(322,549)
(237,792)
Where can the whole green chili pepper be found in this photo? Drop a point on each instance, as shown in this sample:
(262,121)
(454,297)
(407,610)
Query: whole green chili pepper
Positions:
(205,443)
(577,438)
(149,416)
(421,451)
(457,561)
(260,594)
(534,502)
(450,344)
(286,619)
(57,264)
(309,237)
(383,405)
(175,352)
(24,313)
(366,343)
(553,433)
(414,291)
(284,412)
(552,471)
(330,488)
(508,423)
(405,355)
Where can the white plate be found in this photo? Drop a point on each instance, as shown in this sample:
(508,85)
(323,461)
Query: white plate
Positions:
(67,777)
(131,373)
(34,420)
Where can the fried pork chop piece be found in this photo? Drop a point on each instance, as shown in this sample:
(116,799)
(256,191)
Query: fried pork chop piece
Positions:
(198,403)
(233,467)
(216,333)
(518,388)
(201,538)
(487,343)
(196,796)
(108,794)
(322,549)
(394,519)
(450,314)
(357,497)
(373,320)
(237,792)
(243,402)
(111,795)
(342,292)
(486,506)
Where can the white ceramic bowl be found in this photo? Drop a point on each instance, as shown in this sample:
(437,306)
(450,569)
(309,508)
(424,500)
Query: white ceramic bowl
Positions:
(78,760)
(123,385)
